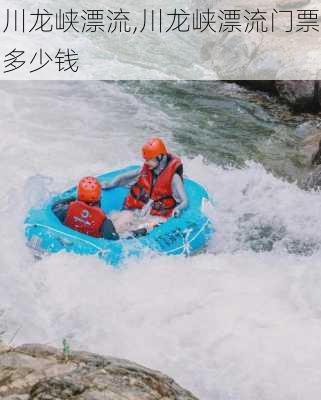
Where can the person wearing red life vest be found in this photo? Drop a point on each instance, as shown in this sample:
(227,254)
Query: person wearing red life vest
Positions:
(157,188)
(84,213)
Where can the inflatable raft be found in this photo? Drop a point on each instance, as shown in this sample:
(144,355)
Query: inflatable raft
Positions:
(185,235)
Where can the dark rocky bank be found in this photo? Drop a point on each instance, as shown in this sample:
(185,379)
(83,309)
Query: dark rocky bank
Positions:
(301,96)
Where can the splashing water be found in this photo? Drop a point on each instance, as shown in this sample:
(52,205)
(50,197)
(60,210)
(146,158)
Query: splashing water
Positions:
(240,321)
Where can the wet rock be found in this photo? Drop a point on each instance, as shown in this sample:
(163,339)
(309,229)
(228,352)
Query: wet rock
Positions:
(313,179)
(265,86)
(301,95)
(311,148)
(38,372)
(318,93)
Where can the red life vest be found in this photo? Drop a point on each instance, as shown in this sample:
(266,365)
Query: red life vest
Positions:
(84,218)
(161,192)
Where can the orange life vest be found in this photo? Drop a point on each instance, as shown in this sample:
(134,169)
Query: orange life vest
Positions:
(160,192)
(84,218)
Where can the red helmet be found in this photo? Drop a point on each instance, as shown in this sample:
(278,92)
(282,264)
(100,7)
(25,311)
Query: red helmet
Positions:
(154,148)
(89,190)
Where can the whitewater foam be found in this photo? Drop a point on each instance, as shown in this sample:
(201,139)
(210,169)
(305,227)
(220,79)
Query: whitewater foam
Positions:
(241,321)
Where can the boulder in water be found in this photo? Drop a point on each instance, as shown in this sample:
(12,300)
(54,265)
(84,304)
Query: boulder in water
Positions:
(301,95)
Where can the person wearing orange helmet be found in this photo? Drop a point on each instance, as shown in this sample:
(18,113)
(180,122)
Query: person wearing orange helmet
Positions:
(85,215)
(157,188)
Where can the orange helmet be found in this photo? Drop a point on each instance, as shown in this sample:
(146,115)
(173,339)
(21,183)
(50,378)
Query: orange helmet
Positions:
(154,148)
(89,190)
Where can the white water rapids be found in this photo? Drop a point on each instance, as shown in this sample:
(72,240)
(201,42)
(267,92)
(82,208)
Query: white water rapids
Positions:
(232,323)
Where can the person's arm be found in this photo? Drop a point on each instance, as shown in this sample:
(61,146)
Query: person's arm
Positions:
(126,179)
(60,208)
(179,194)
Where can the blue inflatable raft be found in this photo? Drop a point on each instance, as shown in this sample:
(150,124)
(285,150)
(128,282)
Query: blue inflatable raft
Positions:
(184,235)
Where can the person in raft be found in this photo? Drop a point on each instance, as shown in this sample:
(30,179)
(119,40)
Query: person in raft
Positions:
(156,190)
(84,213)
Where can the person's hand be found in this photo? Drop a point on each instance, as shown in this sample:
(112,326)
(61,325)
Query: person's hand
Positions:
(176,212)
(152,224)
(146,209)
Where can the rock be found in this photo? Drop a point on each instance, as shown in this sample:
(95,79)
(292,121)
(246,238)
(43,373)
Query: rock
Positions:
(311,148)
(306,129)
(38,351)
(313,179)
(301,95)
(265,86)
(318,94)
(38,372)
(3,347)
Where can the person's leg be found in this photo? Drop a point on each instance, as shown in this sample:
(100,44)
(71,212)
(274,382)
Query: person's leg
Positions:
(127,221)
(149,222)
(122,220)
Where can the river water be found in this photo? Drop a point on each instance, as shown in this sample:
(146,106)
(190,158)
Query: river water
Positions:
(239,321)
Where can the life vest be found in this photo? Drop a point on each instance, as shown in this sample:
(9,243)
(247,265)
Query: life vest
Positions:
(160,192)
(84,218)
